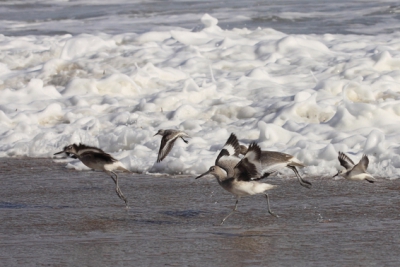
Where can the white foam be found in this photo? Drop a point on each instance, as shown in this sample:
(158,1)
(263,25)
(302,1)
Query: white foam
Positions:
(307,95)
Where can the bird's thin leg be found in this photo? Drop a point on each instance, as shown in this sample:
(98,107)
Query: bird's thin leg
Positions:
(269,208)
(234,209)
(186,141)
(117,189)
(303,182)
(112,177)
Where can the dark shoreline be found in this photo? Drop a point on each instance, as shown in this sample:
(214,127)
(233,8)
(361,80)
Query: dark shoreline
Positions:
(51,215)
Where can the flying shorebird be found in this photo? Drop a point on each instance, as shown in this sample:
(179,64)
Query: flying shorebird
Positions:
(234,174)
(97,159)
(272,161)
(356,172)
(167,142)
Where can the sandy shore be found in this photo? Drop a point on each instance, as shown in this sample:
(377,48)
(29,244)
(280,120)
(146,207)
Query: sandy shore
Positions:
(53,216)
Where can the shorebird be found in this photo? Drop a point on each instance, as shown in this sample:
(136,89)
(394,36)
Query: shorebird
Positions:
(234,174)
(272,161)
(167,142)
(97,159)
(356,172)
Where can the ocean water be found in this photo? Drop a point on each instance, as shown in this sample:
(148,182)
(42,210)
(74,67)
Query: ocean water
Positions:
(309,78)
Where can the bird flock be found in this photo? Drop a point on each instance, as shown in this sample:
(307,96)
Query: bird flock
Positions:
(238,169)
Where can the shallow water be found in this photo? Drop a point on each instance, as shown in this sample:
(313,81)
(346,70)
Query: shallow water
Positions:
(51,215)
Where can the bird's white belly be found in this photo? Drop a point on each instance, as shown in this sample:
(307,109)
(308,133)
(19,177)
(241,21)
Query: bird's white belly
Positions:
(113,166)
(359,177)
(243,188)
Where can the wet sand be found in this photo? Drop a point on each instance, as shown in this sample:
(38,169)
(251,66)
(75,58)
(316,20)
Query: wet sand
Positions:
(53,216)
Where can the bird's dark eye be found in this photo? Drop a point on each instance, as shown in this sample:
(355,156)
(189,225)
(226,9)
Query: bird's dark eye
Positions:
(212,169)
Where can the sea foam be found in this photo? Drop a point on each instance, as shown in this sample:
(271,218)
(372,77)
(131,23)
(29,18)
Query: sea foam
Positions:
(307,95)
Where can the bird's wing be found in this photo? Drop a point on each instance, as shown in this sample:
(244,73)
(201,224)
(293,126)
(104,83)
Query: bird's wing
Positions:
(165,147)
(228,163)
(231,148)
(364,162)
(228,157)
(345,161)
(271,168)
(263,176)
(273,161)
(96,161)
(361,167)
(249,167)
(104,157)
(82,148)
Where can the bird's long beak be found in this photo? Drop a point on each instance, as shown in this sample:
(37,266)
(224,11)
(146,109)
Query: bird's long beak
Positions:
(59,152)
(204,174)
(155,134)
(336,174)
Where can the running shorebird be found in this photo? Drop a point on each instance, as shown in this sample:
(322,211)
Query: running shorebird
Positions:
(167,142)
(234,174)
(356,172)
(272,161)
(97,159)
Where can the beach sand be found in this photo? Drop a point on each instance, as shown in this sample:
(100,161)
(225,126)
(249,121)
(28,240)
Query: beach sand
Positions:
(54,216)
